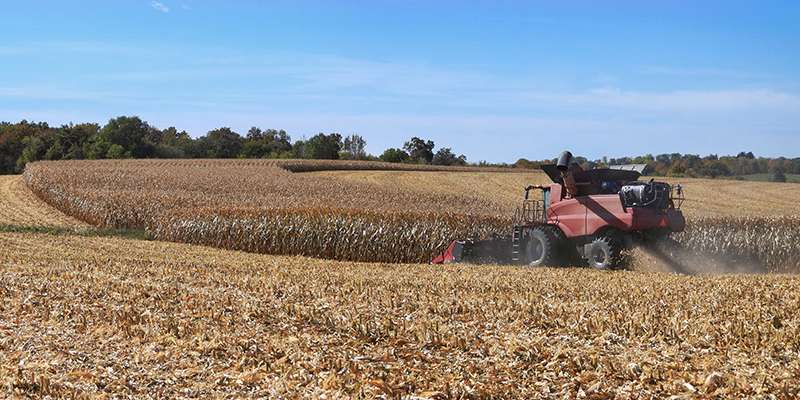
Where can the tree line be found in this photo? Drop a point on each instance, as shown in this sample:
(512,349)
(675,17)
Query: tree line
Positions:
(131,137)
(693,165)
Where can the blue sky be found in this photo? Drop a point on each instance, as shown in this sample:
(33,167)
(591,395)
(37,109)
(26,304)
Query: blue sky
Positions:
(495,80)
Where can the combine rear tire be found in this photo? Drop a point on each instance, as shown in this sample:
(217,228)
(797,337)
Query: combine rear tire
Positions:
(605,253)
(541,247)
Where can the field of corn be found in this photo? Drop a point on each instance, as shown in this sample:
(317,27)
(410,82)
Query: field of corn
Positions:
(262,206)
(87,315)
(378,212)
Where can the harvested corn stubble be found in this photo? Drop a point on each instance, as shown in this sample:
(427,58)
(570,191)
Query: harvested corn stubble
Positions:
(110,317)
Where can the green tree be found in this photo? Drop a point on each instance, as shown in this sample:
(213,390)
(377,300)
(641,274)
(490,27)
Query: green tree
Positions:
(320,146)
(254,145)
(64,143)
(271,143)
(355,147)
(35,149)
(96,147)
(394,155)
(280,143)
(299,149)
(13,140)
(70,141)
(222,143)
(116,151)
(135,136)
(174,144)
(419,150)
(445,156)
(713,168)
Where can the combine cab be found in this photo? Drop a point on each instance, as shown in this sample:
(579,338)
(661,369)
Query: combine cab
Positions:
(582,217)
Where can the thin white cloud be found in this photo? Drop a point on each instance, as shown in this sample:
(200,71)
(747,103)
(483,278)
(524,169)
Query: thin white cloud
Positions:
(397,85)
(389,100)
(320,77)
(159,6)
(684,72)
(673,101)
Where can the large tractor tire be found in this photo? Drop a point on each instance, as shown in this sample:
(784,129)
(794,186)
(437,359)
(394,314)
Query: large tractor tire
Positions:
(605,252)
(541,247)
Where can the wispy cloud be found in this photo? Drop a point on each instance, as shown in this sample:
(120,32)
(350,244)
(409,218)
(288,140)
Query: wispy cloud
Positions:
(397,85)
(159,6)
(386,100)
(696,101)
(685,72)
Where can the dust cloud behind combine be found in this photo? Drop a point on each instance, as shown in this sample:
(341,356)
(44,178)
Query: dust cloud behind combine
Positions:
(687,262)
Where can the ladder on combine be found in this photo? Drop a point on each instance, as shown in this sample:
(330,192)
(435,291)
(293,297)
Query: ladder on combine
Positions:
(516,239)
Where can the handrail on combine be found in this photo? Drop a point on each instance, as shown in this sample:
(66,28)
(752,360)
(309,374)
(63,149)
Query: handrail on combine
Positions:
(532,210)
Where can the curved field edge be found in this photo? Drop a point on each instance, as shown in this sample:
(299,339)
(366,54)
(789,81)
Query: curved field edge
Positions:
(301,215)
(22,209)
(349,220)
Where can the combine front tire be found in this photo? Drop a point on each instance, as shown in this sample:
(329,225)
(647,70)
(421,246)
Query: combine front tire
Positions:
(605,253)
(541,247)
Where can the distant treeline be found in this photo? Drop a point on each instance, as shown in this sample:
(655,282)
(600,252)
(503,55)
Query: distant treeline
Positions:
(692,165)
(131,137)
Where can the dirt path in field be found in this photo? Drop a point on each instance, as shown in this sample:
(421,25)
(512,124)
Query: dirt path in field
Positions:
(20,208)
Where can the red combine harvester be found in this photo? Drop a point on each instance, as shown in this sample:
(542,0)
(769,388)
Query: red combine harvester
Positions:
(582,217)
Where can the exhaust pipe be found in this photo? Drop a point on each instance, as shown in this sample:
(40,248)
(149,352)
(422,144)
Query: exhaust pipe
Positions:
(564,160)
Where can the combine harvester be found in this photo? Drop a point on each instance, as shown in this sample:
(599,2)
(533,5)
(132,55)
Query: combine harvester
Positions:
(582,217)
